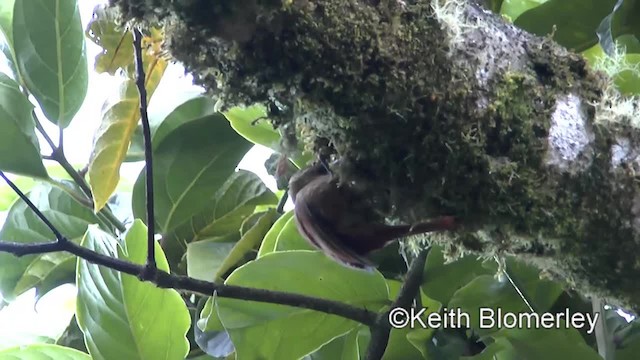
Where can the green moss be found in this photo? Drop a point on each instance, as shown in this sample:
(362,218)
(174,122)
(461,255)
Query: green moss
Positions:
(417,132)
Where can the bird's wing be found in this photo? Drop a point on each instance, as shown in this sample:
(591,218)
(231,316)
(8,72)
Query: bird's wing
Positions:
(320,232)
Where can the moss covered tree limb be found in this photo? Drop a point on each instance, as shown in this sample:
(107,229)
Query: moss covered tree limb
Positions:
(439,108)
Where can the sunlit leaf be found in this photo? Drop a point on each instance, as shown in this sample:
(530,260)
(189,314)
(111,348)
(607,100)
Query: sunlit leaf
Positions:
(259,330)
(122,317)
(236,200)
(190,166)
(120,117)
(19,148)
(575,21)
(43,352)
(22,225)
(271,238)
(50,51)
(252,124)
(249,241)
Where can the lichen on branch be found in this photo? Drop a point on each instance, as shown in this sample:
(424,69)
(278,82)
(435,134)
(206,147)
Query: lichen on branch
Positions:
(438,108)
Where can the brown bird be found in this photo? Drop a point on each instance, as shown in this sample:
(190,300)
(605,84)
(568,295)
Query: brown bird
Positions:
(332,219)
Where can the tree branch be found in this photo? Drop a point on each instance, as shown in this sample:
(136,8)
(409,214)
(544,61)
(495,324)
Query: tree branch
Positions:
(148,150)
(58,155)
(166,280)
(409,290)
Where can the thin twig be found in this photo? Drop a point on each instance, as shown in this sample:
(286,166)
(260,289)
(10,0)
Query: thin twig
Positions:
(24,198)
(282,202)
(148,158)
(410,288)
(58,156)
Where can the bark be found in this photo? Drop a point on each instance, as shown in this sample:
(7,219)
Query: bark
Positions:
(436,109)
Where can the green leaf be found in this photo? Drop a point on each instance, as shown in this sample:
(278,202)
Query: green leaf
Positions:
(629,351)
(122,317)
(400,345)
(6,21)
(190,165)
(441,281)
(514,8)
(500,349)
(252,124)
(22,225)
(628,81)
(549,344)
(342,348)
(247,242)
(245,122)
(260,330)
(24,183)
(50,51)
(19,148)
(42,352)
(165,115)
(47,272)
(205,257)
(487,291)
(290,239)
(236,200)
(575,21)
(72,337)
(190,110)
(271,238)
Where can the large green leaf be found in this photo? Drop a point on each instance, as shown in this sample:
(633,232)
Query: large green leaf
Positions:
(247,243)
(575,21)
(489,292)
(6,27)
(270,240)
(211,259)
(24,183)
(166,115)
(514,8)
(22,225)
(268,331)
(122,317)
(407,342)
(548,344)
(190,110)
(50,50)
(190,165)
(205,257)
(342,348)
(290,239)
(441,280)
(19,149)
(6,20)
(252,124)
(236,200)
(42,352)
